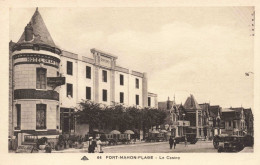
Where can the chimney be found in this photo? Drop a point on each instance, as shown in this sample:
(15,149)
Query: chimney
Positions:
(28,30)
(168,103)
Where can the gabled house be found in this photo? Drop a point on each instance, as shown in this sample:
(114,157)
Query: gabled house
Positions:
(239,121)
(194,115)
(234,119)
(214,120)
(175,120)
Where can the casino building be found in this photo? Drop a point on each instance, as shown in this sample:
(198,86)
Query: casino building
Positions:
(46,83)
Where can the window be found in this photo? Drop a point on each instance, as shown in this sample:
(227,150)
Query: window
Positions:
(149,101)
(40,78)
(199,118)
(121,97)
(18,116)
(229,123)
(137,83)
(88,72)
(104,95)
(40,116)
(234,124)
(121,79)
(104,76)
(69,68)
(137,99)
(69,90)
(57,117)
(88,93)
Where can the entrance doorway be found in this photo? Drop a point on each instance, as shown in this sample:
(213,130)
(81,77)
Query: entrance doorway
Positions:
(67,120)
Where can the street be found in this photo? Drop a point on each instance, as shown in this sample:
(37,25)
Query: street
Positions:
(161,147)
(157,147)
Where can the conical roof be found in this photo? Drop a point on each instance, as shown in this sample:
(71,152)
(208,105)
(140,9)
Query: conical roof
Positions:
(40,32)
(191,104)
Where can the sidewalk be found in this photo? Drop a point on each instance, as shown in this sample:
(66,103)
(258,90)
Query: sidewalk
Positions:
(70,150)
(142,143)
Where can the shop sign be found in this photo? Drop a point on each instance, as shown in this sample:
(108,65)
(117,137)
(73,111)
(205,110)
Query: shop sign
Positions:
(183,123)
(29,58)
(56,81)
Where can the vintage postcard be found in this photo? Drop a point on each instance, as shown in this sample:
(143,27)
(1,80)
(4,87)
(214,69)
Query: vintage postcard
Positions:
(132,83)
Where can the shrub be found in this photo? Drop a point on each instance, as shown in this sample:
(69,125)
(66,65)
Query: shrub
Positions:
(42,141)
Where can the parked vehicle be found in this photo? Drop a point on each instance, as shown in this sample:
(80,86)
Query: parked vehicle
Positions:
(231,144)
(243,141)
(217,139)
(191,138)
(155,137)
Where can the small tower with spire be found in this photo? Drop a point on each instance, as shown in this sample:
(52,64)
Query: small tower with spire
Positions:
(35,59)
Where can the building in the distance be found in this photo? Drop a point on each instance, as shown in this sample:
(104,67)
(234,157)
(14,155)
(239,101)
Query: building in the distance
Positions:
(234,121)
(249,119)
(194,114)
(47,83)
(175,121)
(211,120)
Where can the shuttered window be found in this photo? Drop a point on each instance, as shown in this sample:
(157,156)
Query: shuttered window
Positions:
(137,99)
(40,116)
(88,93)
(149,101)
(18,116)
(104,95)
(88,72)
(69,68)
(137,83)
(121,79)
(104,76)
(121,97)
(69,90)
(40,78)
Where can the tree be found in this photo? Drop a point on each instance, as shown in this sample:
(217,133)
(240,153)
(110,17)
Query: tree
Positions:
(89,113)
(119,117)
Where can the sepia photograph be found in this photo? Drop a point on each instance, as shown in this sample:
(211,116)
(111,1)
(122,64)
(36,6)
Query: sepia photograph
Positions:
(131,80)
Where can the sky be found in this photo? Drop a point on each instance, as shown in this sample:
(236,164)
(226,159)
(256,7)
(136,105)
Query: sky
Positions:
(204,51)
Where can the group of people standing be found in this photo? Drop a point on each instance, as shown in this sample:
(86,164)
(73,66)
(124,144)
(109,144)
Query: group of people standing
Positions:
(94,145)
(173,142)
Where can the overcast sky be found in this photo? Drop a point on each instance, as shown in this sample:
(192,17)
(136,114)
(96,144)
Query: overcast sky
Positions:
(204,51)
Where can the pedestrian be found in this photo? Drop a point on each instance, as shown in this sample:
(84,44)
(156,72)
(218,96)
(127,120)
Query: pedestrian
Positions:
(185,140)
(99,145)
(48,148)
(174,142)
(90,147)
(94,145)
(171,142)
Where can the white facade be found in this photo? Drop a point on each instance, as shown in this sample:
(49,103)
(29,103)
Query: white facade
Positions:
(103,62)
(152,98)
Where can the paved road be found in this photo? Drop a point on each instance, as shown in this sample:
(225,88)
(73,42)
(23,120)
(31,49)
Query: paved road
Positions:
(161,147)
